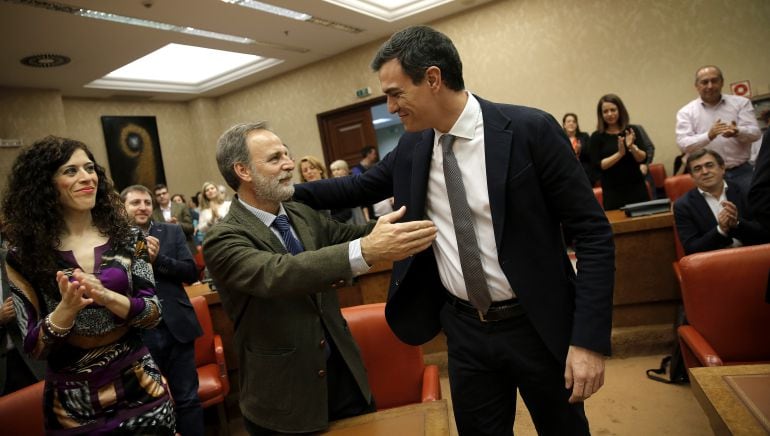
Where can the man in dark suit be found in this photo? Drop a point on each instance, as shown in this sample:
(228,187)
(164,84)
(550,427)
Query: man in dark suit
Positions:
(17,369)
(546,330)
(759,195)
(171,212)
(172,342)
(715,214)
(277,265)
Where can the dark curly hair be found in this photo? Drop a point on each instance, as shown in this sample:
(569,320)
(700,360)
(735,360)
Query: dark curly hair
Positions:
(32,215)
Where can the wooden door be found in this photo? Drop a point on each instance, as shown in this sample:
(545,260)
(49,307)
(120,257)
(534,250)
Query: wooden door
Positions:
(345,131)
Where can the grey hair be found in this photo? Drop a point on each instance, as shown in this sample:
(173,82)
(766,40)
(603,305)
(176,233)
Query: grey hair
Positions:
(232,149)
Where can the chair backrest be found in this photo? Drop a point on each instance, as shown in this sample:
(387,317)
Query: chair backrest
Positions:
(724,299)
(204,345)
(21,412)
(395,369)
(599,196)
(658,172)
(676,186)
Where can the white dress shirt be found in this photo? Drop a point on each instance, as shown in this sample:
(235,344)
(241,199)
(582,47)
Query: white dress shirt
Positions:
(715,204)
(695,119)
(469,150)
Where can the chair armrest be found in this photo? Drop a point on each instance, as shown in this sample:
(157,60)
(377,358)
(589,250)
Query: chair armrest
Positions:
(705,353)
(431,386)
(219,352)
(677,271)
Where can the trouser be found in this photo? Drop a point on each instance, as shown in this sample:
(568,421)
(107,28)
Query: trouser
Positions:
(489,361)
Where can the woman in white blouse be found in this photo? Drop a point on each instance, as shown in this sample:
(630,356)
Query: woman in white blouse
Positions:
(213,207)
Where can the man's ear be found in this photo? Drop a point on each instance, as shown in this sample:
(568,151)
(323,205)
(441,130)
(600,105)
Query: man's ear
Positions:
(433,76)
(242,171)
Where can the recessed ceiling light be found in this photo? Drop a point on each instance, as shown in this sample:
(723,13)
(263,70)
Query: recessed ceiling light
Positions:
(122,19)
(183,69)
(388,10)
(295,15)
(47,60)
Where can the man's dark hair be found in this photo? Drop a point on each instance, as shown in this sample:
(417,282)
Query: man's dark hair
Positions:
(418,48)
(366,150)
(136,188)
(697,154)
(160,186)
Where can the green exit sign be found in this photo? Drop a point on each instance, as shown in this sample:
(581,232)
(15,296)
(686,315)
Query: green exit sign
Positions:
(363,92)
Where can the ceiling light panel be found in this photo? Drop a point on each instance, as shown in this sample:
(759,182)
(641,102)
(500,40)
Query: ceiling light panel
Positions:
(388,10)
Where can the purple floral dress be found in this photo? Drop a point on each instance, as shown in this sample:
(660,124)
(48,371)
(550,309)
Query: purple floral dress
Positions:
(101,378)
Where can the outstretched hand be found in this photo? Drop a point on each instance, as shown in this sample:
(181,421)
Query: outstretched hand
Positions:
(391,240)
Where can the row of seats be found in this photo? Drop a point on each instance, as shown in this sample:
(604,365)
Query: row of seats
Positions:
(396,371)
(21,412)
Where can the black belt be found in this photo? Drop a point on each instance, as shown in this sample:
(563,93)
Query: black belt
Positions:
(498,311)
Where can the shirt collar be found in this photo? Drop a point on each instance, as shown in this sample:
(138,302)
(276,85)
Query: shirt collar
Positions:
(724,191)
(704,104)
(267,218)
(465,126)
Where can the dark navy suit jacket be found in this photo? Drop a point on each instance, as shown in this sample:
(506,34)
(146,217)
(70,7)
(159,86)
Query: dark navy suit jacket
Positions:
(759,195)
(697,226)
(535,186)
(173,266)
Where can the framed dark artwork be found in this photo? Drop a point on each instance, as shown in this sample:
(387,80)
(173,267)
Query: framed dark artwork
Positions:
(133,149)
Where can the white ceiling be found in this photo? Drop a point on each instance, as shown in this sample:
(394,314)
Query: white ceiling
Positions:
(99,47)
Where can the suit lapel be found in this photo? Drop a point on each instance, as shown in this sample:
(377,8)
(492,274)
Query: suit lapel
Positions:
(703,210)
(256,227)
(423,153)
(497,151)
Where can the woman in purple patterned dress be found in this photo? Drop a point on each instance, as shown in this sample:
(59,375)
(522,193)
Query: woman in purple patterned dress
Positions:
(83,288)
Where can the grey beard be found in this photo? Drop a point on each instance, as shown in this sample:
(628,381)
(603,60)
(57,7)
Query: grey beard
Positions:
(271,189)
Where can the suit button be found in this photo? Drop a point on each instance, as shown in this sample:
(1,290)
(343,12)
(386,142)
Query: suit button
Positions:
(322,343)
(321,373)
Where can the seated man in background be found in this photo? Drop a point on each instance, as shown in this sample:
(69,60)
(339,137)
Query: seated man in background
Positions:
(277,265)
(172,341)
(715,214)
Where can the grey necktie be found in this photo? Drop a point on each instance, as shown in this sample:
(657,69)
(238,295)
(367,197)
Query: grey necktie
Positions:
(470,258)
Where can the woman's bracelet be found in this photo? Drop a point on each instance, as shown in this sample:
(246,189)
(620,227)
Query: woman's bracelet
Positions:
(55,330)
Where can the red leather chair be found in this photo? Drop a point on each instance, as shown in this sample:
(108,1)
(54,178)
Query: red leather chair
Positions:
(21,412)
(724,299)
(214,384)
(675,187)
(199,262)
(658,173)
(396,371)
(599,196)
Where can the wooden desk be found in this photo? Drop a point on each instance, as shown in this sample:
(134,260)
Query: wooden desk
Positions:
(424,419)
(646,289)
(718,390)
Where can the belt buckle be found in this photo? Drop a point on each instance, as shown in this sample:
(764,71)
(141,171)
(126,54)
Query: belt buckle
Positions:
(482,317)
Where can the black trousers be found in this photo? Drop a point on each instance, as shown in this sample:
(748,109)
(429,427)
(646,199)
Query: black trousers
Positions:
(488,362)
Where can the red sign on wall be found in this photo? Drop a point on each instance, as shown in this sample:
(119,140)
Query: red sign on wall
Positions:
(742,88)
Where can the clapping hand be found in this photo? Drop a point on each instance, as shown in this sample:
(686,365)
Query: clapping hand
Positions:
(7,313)
(73,294)
(92,287)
